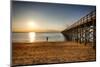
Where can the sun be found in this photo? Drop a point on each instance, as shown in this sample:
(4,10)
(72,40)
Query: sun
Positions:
(32,36)
(32,24)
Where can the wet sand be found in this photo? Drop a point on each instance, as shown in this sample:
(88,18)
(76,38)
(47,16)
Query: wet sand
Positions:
(51,52)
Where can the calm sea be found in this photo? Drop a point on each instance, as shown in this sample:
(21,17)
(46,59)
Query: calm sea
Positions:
(37,37)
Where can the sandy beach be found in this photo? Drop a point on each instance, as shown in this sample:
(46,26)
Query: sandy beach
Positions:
(51,52)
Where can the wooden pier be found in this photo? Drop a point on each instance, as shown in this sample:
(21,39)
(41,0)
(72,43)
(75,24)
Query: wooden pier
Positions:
(83,31)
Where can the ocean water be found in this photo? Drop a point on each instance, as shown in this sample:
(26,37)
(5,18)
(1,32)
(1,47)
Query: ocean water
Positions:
(37,37)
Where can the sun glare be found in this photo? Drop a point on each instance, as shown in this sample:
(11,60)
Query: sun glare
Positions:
(32,24)
(32,36)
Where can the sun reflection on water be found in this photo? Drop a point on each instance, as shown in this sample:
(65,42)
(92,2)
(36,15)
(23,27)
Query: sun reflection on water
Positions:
(32,36)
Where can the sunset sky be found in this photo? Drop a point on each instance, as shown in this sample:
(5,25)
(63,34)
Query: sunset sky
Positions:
(45,17)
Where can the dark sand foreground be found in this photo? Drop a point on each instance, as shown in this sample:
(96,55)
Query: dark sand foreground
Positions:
(51,52)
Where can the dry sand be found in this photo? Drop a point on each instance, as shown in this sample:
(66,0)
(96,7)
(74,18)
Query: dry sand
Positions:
(51,52)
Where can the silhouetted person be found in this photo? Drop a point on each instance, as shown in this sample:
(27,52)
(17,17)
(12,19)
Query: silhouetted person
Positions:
(47,38)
